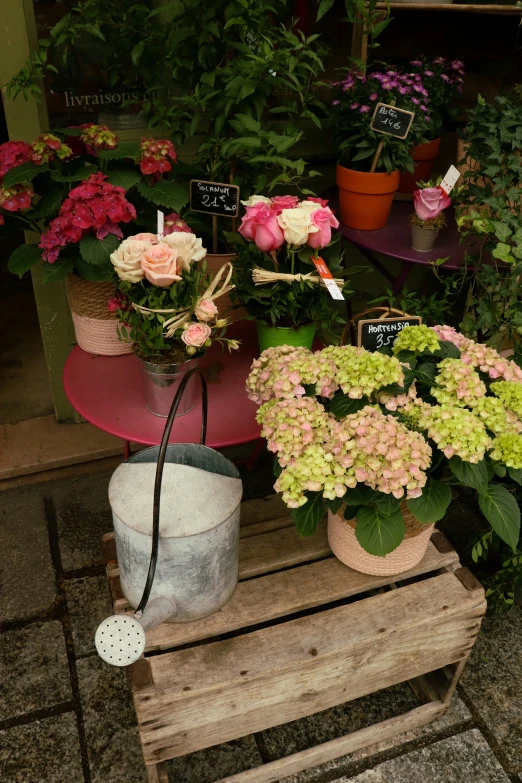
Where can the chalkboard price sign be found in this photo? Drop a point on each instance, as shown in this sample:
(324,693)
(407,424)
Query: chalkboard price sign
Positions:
(214,198)
(380,333)
(392,121)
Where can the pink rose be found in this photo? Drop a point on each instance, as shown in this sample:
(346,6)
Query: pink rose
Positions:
(113,305)
(205,310)
(260,224)
(430,202)
(159,263)
(196,334)
(284,202)
(324,219)
(322,201)
(145,236)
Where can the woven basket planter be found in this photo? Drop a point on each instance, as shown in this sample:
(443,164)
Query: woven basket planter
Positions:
(344,544)
(94,325)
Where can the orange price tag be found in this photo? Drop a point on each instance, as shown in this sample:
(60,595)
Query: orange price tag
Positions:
(326,276)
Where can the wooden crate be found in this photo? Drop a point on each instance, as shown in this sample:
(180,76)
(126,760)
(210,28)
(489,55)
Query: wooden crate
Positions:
(345,634)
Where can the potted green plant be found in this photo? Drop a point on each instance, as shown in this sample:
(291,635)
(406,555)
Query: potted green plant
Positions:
(443,80)
(166,304)
(276,280)
(429,203)
(379,439)
(80,190)
(366,196)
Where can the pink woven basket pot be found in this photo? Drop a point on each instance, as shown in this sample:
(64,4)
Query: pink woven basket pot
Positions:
(94,325)
(344,545)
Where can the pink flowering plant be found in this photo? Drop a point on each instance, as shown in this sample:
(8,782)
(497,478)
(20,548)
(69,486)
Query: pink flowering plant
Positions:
(372,435)
(82,190)
(166,301)
(444,80)
(282,234)
(352,110)
(429,203)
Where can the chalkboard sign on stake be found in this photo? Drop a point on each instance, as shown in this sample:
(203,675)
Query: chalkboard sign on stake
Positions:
(391,121)
(214,198)
(375,333)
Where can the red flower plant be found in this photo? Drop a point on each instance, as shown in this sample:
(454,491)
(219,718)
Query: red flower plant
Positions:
(174,223)
(12,154)
(154,154)
(95,206)
(94,138)
(48,147)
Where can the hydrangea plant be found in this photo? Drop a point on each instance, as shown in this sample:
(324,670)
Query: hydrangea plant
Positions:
(372,435)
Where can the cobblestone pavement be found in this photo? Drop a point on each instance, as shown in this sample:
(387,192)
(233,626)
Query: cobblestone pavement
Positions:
(66,717)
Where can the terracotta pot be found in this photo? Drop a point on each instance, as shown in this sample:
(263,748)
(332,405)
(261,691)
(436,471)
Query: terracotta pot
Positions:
(214,263)
(344,544)
(365,199)
(95,326)
(423,156)
(423,239)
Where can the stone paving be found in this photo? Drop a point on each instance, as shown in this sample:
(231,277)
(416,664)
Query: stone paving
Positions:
(66,717)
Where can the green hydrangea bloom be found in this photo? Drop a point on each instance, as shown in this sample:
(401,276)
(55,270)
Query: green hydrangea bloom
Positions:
(457,383)
(496,417)
(508,449)
(456,431)
(510,392)
(359,372)
(416,338)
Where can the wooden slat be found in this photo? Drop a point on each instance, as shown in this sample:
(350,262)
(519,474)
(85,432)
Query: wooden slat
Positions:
(334,749)
(221,691)
(472,8)
(253,511)
(280,549)
(283,593)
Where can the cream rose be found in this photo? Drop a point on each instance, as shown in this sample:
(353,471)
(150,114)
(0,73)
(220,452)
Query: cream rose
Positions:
(146,236)
(126,259)
(309,206)
(205,310)
(189,248)
(296,225)
(256,200)
(195,335)
(160,265)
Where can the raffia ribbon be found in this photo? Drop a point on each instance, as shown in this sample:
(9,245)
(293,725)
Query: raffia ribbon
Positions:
(182,316)
(264,276)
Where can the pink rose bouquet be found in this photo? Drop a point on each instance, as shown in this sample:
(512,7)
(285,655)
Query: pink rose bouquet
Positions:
(276,279)
(166,303)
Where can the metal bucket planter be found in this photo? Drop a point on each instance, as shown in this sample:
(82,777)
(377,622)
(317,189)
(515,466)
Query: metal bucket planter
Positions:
(161,384)
(183,566)
(423,239)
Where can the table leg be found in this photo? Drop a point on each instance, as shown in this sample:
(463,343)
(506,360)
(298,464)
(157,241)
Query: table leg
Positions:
(377,264)
(126,449)
(399,282)
(251,463)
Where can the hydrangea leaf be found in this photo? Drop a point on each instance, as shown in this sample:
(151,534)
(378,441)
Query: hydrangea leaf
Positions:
(472,475)
(307,517)
(93,273)
(23,173)
(515,474)
(165,194)
(378,533)
(502,512)
(341,405)
(432,504)
(124,149)
(97,251)
(23,258)
(62,267)
(448,350)
(124,178)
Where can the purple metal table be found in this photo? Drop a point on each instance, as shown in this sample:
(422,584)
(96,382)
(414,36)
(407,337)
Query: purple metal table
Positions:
(394,240)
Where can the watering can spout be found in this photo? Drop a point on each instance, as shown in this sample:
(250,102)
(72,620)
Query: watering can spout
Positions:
(120,639)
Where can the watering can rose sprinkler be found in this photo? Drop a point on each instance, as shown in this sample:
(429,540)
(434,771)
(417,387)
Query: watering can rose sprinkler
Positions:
(189,569)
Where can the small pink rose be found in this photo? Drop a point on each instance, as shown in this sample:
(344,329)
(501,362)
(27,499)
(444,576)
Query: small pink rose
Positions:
(113,305)
(284,202)
(324,219)
(249,218)
(159,263)
(196,334)
(145,236)
(205,310)
(430,202)
(260,224)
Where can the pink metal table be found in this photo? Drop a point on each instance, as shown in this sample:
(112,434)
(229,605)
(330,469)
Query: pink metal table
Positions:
(108,391)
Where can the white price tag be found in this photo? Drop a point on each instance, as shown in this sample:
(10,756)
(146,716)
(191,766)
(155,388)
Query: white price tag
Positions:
(448,183)
(326,277)
(161,223)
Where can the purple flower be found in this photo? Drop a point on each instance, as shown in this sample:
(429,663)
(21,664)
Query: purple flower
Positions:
(354,106)
(457,65)
(428,119)
(364,109)
(404,90)
(335,103)
(387,86)
(361,78)
(347,87)
(459,88)
(439,61)
(416,62)
(391,73)
(373,96)
(379,76)
(444,77)
(417,77)
(424,92)
(418,87)
(415,100)
(423,107)
(429,73)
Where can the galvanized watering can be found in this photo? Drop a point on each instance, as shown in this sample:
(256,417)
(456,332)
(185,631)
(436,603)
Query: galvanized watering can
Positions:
(185,564)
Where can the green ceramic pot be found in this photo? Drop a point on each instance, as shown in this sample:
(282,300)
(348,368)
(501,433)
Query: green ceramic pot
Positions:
(270,336)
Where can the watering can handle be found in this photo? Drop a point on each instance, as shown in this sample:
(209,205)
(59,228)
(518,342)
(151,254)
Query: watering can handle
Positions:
(159,472)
